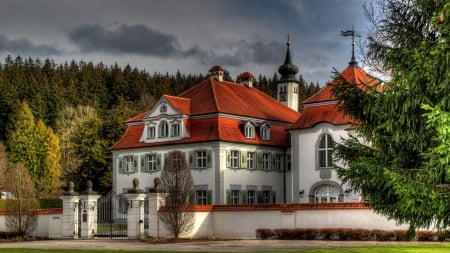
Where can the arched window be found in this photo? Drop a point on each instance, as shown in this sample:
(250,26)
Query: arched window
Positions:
(325,151)
(265,132)
(249,131)
(163,129)
(326,194)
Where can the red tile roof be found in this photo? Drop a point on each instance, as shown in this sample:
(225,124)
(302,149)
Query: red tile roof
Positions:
(352,74)
(314,115)
(213,99)
(212,96)
(317,109)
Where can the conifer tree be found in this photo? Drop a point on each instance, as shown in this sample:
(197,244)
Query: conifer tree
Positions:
(398,164)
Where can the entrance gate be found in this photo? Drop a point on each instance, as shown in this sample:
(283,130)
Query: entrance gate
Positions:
(112,216)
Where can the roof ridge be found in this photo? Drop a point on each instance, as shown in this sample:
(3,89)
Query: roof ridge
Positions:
(214,93)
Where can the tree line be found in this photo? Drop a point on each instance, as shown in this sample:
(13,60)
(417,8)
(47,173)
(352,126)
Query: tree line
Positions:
(59,120)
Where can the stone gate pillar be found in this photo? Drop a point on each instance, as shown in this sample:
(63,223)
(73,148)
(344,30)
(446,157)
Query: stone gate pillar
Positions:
(154,202)
(135,216)
(70,213)
(88,204)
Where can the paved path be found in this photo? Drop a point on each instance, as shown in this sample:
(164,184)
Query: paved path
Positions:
(208,246)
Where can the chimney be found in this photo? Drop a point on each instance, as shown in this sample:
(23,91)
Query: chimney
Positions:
(247,79)
(217,73)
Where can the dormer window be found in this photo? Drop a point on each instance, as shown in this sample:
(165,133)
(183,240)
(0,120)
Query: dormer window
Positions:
(249,129)
(151,132)
(163,129)
(163,108)
(175,129)
(264,132)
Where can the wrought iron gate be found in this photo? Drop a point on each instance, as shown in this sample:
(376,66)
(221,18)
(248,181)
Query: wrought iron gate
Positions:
(112,216)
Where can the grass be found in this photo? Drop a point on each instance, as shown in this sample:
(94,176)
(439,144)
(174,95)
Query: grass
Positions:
(443,247)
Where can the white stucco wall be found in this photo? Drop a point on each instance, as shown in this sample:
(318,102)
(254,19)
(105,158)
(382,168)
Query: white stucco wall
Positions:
(306,176)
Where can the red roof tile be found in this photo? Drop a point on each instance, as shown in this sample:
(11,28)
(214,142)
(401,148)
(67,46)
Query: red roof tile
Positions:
(207,129)
(352,74)
(212,96)
(314,115)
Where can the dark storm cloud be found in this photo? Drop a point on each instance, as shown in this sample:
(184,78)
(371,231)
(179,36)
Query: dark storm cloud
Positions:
(25,46)
(129,39)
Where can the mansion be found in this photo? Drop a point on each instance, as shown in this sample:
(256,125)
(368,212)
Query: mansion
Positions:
(242,145)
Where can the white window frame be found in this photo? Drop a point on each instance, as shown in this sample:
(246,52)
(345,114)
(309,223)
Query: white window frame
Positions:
(325,151)
(235,197)
(249,130)
(151,132)
(163,129)
(266,161)
(264,132)
(129,163)
(201,159)
(251,156)
(163,108)
(251,197)
(235,158)
(266,197)
(201,197)
(326,194)
(150,162)
(175,129)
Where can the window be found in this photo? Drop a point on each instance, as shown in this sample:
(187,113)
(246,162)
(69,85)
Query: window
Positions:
(325,151)
(283,93)
(326,194)
(201,197)
(251,197)
(278,162)
(150,162)
(266,161)
(265,132)
(251,160)
(175,129)
(288,162)
(163,108)
(150,132)
(234,159)
(234,197)
(201,159)
(249,131)
(266,197)
(129,164)
(163,129)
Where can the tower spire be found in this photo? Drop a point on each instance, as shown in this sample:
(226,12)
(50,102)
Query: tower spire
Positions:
(288,70)
(352,33)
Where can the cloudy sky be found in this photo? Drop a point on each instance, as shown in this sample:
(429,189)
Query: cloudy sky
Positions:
(189,36)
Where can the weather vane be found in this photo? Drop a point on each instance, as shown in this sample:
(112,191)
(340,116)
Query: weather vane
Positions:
(353,34)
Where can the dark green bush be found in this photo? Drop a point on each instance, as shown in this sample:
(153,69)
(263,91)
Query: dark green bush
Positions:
(49,203)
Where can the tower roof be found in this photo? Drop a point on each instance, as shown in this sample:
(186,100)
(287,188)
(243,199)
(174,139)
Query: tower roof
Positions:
(288,70)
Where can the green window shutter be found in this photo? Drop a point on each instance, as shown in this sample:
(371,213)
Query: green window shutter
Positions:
(244,159)
(208,158)
(158,161)
(120,164)
(166,156)
(143,164)
(273,161)
(273,197)
(228,197)
(243,197)
(208,197)
(191,155)
(228,157)
(135,163)
(259,158)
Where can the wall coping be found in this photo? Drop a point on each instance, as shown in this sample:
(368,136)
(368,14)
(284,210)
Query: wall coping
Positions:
(278,207)
(38,211)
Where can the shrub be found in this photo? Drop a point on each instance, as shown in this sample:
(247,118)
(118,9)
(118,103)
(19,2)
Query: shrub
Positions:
(49,203)
(263,233)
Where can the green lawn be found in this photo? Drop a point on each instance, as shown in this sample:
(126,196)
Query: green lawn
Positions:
(444,247)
